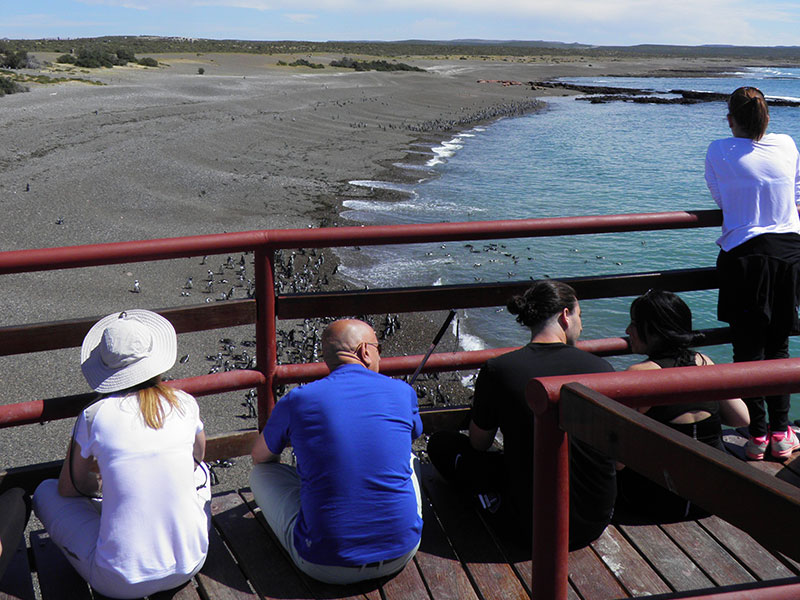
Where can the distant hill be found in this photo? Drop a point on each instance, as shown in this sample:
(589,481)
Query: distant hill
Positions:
(407,48)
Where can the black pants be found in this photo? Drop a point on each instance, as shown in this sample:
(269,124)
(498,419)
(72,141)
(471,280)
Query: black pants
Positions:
(754,341)
(15,508)
(479,472)
(758,295)
(459,463)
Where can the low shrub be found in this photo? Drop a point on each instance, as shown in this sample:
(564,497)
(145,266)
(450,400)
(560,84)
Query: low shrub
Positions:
(13,60)
(200,70)
(302,62)
(9,86)
(67,59)
(148,61)
(372,65)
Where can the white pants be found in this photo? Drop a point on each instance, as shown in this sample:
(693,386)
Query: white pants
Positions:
(74,525)
(276,488)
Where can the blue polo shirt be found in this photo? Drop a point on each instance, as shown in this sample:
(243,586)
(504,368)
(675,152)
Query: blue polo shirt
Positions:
(351,433)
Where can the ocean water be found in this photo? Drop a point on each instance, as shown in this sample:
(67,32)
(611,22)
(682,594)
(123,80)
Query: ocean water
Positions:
(575,158)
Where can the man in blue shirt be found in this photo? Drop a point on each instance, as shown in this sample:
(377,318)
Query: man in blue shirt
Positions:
(351,510)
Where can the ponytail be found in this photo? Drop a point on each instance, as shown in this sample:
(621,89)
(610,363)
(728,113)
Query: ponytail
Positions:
(749,109)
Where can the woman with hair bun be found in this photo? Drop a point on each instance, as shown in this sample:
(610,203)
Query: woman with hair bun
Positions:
(505,479)
(754,177)
(141,443)
(661,328)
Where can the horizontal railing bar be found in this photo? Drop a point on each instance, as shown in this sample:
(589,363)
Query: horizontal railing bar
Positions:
(54,335)
(418,299)
(51,409)
(677,385)
(66,257)
(64,407)
(36,337)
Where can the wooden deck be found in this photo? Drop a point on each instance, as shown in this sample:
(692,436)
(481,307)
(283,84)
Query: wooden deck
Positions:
(460,557)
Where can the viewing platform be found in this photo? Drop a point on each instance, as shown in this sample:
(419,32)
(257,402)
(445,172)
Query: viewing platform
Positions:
(750,549)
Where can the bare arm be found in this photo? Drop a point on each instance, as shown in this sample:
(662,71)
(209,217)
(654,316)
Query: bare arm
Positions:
(647,365)
(84,471)
(261,452)
(734,412)
(481,439)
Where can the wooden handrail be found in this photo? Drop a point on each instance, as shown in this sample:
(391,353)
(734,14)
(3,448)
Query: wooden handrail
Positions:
(689,468)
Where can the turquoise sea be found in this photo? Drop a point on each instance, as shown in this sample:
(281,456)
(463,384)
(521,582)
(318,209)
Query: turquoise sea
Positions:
(574,158)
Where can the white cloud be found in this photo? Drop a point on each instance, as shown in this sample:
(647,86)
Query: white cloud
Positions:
(302,18)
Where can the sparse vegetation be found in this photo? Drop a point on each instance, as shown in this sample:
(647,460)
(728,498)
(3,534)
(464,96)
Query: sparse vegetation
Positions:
(9,86)
(11,59)
(302,62)
(373,65)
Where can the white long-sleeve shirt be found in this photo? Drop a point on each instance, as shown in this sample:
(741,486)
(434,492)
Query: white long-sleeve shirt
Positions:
(756,184)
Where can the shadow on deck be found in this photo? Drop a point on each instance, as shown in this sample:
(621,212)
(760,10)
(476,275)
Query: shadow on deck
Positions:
(460,558)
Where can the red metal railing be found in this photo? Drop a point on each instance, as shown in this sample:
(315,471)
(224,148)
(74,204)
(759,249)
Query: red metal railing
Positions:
(635,389)
(551,483)
(269,306)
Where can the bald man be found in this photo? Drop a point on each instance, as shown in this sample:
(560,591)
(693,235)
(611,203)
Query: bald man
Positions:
(351,510)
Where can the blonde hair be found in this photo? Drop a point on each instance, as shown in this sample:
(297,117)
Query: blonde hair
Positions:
(152,401)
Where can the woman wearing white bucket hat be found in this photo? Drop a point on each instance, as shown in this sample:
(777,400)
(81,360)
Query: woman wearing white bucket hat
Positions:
(142,442)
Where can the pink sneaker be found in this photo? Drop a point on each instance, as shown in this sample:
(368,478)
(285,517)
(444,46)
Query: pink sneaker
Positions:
(783,443)
(756,447)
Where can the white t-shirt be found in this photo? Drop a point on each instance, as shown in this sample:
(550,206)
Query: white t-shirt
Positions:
(756,184)
(153,522)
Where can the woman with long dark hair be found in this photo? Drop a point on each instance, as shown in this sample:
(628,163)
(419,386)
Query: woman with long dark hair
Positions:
(754,177)
(141,444)
(661,329)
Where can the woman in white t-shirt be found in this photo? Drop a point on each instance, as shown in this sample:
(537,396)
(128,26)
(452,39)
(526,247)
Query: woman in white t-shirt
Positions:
(142,444)
(754,177)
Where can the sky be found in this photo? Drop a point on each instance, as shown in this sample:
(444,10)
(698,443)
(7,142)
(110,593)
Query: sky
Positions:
(601,22)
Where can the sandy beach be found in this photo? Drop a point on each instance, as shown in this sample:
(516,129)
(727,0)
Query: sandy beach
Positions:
(247,145)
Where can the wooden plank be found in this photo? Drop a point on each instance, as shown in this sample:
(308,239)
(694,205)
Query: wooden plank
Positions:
(230,445)
(221,578)
(53,335)
(16,583)
(715,561)
(493,577)
(262,562)
(318,589)
(440,568)
(406,585)
(630,569)
(755,557)
(689,468)
(666,557)
(473,295)
(57,578)
(591,578)
(516,553)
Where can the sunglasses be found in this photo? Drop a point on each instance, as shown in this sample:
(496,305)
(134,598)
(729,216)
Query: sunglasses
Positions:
(378,347)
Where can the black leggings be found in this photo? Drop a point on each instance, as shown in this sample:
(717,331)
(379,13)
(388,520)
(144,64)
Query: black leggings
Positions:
(15,508)
(754,341)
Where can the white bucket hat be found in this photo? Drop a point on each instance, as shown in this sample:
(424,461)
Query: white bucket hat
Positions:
(128,348)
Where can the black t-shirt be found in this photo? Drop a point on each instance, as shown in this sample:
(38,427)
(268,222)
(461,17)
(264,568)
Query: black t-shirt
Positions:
(500,403)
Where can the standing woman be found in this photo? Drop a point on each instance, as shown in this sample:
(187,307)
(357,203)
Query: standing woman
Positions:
(754,177)
(141,442)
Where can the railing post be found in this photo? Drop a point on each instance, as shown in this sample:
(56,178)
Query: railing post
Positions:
(550,507)
(266,342)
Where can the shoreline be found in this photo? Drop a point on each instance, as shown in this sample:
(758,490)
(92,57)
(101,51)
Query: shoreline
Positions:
(168,152)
